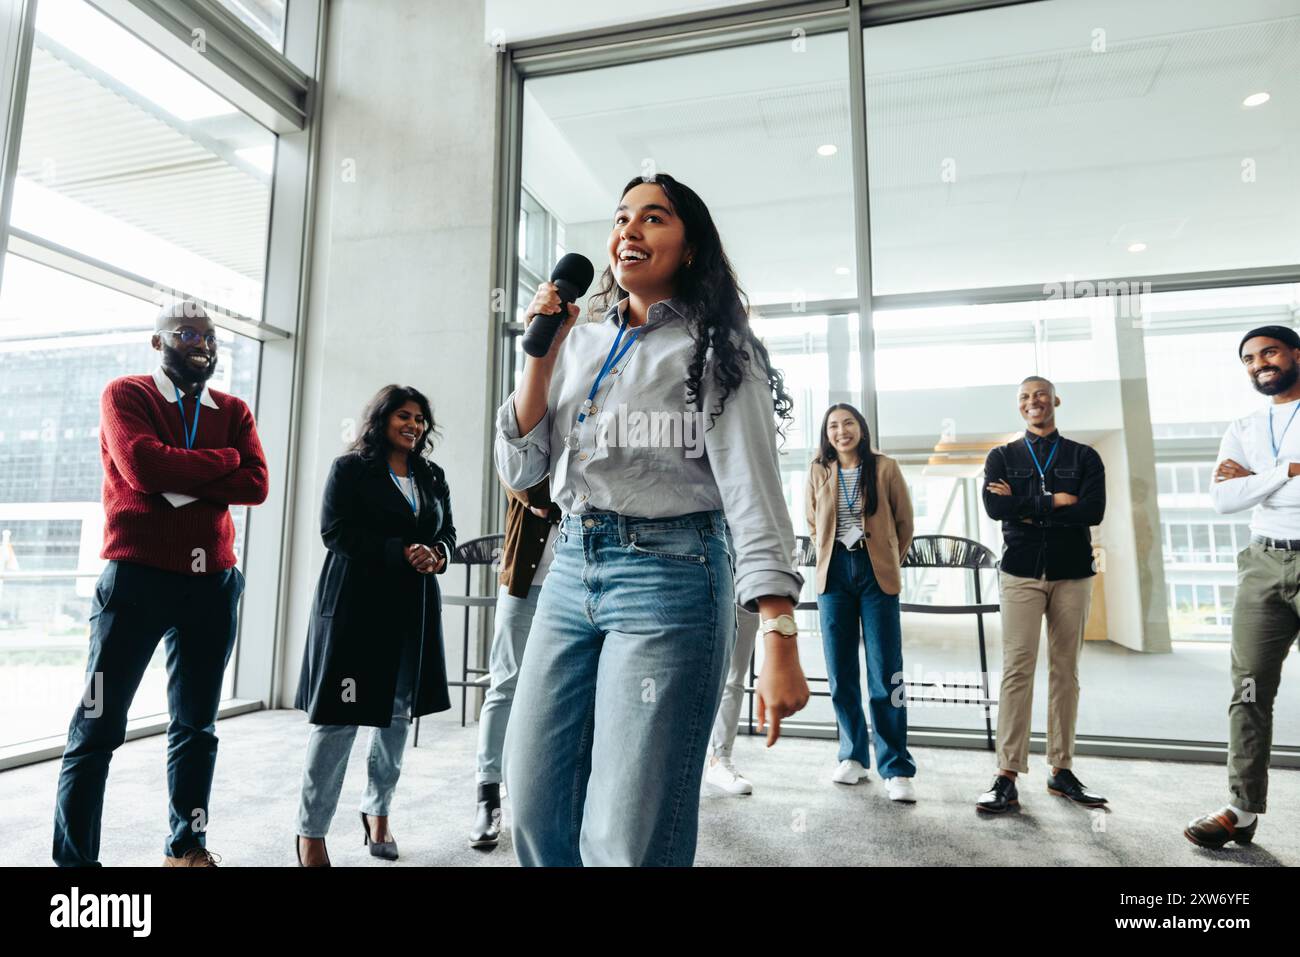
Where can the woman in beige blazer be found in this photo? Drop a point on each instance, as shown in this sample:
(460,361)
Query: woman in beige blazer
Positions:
(860,517)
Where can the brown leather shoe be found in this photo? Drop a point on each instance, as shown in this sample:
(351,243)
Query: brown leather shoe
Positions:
(1217,829)
(194,857)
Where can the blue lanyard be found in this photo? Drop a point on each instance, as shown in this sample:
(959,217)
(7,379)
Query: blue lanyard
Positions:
(190,434)
(1042,469)
(1277,446)
(415,508)
(856,490)
(611,360)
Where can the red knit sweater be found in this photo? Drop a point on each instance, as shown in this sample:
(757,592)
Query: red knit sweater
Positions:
(142,442)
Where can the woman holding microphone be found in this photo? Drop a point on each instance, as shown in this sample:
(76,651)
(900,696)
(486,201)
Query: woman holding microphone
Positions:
(374,652)
(860,517)
(635,624)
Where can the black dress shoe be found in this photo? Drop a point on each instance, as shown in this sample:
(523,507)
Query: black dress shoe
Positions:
(385,849)
(1001,797)
(1065,784)
(487,818)
(1217,829)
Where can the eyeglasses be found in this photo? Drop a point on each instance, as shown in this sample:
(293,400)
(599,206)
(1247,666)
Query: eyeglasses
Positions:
(191,337)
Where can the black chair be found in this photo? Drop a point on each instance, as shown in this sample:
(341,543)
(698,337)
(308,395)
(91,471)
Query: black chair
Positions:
(949,551)
(476,552)
(925,551)
(805,556)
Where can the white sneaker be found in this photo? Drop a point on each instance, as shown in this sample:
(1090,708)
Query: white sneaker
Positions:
(900,789)
(725,776)
(849,772)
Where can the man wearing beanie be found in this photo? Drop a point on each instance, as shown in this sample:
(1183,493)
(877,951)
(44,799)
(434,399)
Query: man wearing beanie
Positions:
(1259,460)
(176,456)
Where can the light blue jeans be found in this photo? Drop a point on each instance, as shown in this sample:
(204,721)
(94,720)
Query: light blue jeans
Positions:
(632,636)
(733,692)
(328,749)
(514,618)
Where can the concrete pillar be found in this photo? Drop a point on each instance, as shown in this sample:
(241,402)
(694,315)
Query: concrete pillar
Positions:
(401,264)
(1136,608)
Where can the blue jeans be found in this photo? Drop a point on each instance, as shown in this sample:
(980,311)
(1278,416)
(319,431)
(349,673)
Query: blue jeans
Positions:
(330,745)
(514,619)
(632,637)
(134,607)
(853,608)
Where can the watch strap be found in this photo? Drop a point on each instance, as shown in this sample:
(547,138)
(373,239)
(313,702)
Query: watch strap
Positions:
(782,624)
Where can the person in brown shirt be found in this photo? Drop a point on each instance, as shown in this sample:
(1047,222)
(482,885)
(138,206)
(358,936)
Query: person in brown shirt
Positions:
(531,521)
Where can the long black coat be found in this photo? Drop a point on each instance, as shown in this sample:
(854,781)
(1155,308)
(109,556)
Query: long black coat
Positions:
(368,599)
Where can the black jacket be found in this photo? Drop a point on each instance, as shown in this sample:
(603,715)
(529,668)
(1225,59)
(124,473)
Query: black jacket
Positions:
(369,600)
(1037,538)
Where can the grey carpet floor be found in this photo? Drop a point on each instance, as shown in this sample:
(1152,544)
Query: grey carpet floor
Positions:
(795,816)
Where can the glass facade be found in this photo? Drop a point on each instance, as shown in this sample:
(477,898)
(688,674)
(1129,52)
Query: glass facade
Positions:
(1007,238)
(263,17)
(127,166)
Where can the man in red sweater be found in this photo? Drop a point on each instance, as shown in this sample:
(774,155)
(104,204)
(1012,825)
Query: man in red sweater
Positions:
(176,456)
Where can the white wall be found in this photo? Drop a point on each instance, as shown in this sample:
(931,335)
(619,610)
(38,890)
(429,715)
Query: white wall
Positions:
(401,265)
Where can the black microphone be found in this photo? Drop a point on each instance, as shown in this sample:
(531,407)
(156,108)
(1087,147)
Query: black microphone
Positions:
(571,275)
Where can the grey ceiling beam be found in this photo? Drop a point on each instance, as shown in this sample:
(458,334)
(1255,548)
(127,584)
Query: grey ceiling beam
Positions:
(42,251)
(210,43)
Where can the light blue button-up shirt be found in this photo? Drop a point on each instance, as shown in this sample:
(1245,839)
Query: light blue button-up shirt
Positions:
(644,451)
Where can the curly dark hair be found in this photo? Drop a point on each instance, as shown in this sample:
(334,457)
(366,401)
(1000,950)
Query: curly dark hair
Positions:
(716,307)
(372,442)
(826,454)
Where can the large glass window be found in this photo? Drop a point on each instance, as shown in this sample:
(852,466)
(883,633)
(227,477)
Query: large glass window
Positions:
(129,160)
(986,172)
(1196,387)
(1096,138)
(263,17)
(760,132)
(142,172)
(1011,150)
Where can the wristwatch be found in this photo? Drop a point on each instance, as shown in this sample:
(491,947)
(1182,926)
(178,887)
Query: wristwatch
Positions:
(782,624)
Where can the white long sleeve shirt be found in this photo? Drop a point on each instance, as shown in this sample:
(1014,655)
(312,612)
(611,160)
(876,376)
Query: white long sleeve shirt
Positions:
(1273,495)
(645,452)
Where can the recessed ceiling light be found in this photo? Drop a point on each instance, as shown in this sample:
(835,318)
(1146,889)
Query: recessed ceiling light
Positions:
(841,270)
(827,149)
(1137,247)
(1255,99)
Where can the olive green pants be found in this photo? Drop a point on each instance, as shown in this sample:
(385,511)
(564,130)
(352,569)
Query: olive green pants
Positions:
(1265,620)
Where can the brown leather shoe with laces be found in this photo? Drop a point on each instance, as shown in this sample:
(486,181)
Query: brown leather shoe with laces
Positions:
(1217,829)
(194,857)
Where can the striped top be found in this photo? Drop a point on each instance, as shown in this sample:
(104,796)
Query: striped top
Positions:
(848,510)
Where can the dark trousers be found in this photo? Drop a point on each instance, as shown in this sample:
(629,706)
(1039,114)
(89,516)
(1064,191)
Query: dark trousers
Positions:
(856,613)
(134,606)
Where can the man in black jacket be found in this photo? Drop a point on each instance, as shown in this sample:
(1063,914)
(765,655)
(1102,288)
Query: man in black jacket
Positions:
(1047,491)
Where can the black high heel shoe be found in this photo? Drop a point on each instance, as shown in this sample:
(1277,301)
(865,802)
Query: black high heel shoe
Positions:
(385,849)
(298,850)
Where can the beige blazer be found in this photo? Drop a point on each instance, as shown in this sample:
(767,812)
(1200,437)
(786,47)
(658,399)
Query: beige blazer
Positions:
(889,531)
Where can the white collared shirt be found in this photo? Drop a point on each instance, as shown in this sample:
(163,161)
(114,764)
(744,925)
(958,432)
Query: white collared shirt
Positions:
(168,390)
(1274,496)
(645,451)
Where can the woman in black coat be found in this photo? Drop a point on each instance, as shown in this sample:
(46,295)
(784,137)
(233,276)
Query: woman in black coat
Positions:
(374,652)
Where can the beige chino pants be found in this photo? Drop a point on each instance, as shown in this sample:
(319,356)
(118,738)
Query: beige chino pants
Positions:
(1024,603)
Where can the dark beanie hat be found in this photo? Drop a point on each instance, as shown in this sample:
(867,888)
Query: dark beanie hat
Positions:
(1280,333)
